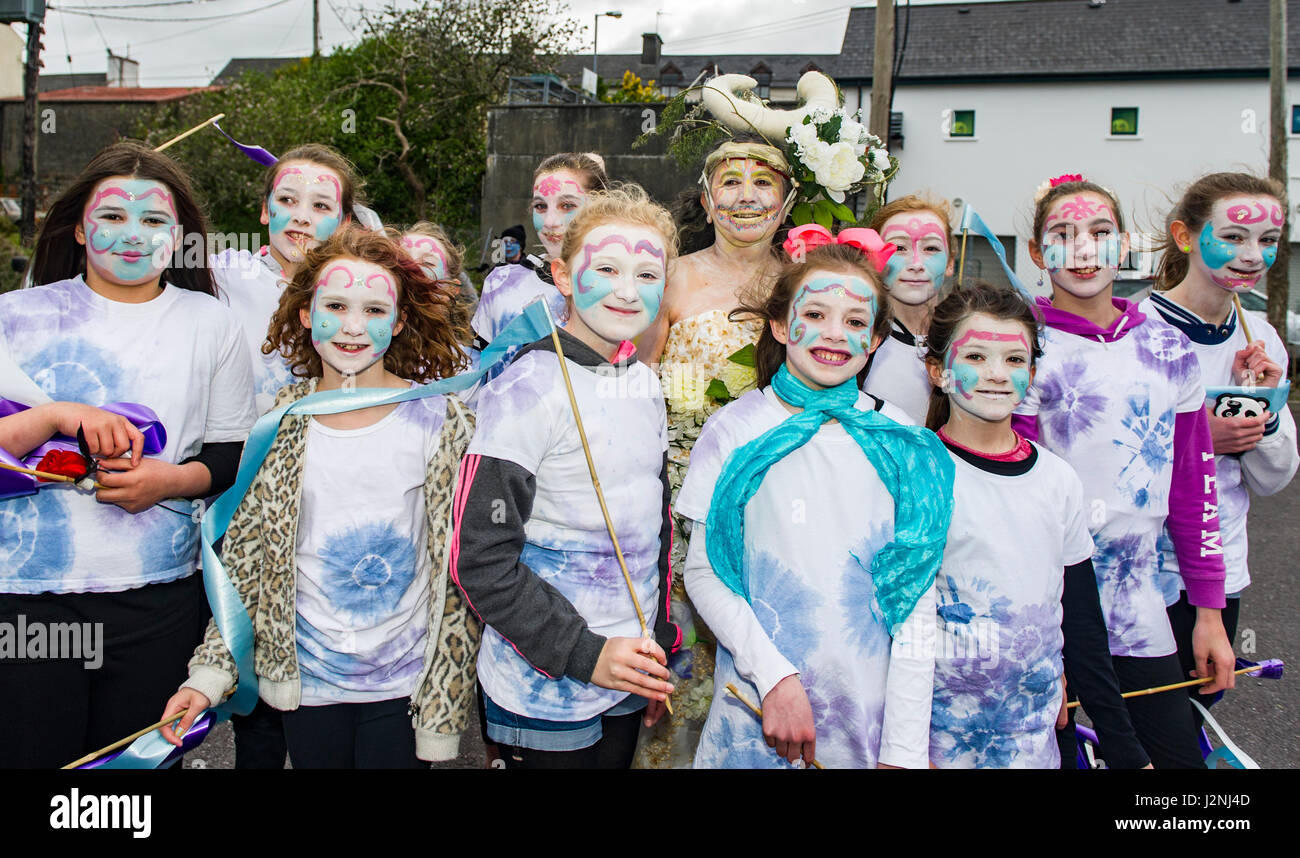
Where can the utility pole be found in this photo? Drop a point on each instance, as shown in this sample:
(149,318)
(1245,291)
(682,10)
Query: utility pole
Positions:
(27,224)
(315,28)
(1279,289)
(882,72)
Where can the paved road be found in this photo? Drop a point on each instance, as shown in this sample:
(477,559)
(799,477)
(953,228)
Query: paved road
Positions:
(1262,716)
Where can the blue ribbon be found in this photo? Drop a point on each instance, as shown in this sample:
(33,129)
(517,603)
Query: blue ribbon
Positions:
(972,222)
(228,610)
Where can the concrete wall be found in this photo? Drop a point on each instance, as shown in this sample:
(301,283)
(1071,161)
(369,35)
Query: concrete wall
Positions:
(519,137)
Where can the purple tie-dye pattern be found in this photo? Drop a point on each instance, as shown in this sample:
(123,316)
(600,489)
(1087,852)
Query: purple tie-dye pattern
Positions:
(1071,403)
(1126,567)
(1164,348)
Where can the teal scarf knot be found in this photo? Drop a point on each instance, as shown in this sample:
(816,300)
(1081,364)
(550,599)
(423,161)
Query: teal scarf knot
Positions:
(911,462)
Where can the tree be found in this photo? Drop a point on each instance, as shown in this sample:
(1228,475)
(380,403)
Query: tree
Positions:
(632,90)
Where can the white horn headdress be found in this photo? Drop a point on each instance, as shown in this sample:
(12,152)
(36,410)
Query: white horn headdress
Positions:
(720,96)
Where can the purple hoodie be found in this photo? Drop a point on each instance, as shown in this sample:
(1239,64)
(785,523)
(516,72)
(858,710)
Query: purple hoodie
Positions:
(1193,479)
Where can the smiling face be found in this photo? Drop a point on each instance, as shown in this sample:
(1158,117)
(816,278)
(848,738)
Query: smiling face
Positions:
(353,316)
(428,252)
(557,197)
(828,333)
(915,273)
(1238,244)
(987,370)
(745,200)
(616,283)
(304,209)
(130,228)
(1081,246)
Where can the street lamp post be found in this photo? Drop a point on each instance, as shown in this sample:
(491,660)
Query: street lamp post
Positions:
(595,41)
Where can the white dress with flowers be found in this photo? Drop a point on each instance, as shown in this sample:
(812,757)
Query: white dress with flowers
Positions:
(697,352)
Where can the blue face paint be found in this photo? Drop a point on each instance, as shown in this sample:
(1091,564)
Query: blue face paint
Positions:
(1216,252)
(509,246)
(894,267)
(130,229)
(1020,381)
(1054,257)
(652,294)
(1108,252)
(966,378)
(1269,254)
(326,226)
(593,287)
(539,222)
(278,217)
(805,333)
(936,265)
(380,332)
(324,325)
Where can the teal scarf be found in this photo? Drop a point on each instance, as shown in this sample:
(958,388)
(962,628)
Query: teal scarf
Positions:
(910,461)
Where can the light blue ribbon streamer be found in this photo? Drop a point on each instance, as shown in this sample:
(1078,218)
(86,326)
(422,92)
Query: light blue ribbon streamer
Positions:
(228,611)
(972,222)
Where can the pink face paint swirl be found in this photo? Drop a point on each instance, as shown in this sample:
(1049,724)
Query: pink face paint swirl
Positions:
(329,272)
(798,327)
(1080,209)
(549,186)
(917,229)
(387,282)
(1244,214)
(1275,215)
(114,191)
(987,336)
(589,250)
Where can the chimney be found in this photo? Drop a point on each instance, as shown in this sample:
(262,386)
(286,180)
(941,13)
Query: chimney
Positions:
(650,48)
(122,71)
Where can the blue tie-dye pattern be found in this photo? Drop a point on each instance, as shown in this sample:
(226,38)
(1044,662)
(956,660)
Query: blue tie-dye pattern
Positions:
(366,569)
(31,535)
(168,539)
(1125,568)
(1168,581)
(327,672)
(785,606)
(74,371)
(1150,444)
(862,615)
(503,300)
(1072,404)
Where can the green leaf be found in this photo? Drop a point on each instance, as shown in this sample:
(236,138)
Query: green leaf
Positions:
(843,212)
(718,391)
(744,357)
(801,214)
(831,130)
(823,213)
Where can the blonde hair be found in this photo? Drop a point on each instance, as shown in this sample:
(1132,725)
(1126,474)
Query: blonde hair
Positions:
(623,203)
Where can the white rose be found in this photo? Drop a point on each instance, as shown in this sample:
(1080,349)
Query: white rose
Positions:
(839,171)
(851,132)
(880,160)
(803,136)
(817,156)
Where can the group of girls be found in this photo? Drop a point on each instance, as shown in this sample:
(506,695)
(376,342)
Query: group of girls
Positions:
(890,594)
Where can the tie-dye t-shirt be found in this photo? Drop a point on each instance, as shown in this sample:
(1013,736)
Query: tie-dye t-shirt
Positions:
(1108,409)
(250,284)
(363,559)
(181,354)
(524,417)
(507,290)
(997,668)
(811,530)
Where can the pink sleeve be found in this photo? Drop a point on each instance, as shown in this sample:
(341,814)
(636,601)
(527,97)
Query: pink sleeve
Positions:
(1193,521)
(1026,425)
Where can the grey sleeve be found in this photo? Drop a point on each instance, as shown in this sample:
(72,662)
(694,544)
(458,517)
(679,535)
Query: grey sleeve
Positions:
(538,621)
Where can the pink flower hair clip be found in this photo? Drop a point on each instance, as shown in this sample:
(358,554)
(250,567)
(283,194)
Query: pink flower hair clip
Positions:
(810,236)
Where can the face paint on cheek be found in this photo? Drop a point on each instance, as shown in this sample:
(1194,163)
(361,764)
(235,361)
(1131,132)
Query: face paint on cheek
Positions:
(1269,254)
(326,226)
(895,267)
(324,325)
(380,332)
(539,221)
(1108,252)
(1216,253)
(804,333)
(278,218)
(1020,381)
(652,295)
(936,265)
(1054,257)
(964,377)
(592,288)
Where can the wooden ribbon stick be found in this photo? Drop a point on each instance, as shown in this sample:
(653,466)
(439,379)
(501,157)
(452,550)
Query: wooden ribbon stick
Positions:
(758,713)
(128,740)
(600,495)
(1241,317)
(1143,692)
(51,478)
(961,262)
(179,137)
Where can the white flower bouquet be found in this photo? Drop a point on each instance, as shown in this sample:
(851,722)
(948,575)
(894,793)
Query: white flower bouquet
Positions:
(834,155)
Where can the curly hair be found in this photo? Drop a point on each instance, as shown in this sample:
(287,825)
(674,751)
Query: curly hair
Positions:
(979,297)
(839,258)
(434,322)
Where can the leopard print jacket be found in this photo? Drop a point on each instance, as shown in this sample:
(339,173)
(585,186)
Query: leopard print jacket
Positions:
(259,556)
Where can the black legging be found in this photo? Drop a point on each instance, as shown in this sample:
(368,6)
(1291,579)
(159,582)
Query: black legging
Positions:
(352,736)
(614,750)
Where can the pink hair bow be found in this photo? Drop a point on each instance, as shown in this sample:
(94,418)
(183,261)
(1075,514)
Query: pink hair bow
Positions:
(810,236)
(1066,177)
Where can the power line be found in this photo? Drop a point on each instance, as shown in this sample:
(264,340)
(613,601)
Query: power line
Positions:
(96,15)
(143,5)
(817,18)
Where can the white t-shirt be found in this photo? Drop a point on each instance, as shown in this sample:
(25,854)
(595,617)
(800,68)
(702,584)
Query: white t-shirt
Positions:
(507,290)
(1108,409)
(181,354)
(997,671)
(1234,501)
(363,559)
(251,284)
(898,375)
(811,530)
(524,417)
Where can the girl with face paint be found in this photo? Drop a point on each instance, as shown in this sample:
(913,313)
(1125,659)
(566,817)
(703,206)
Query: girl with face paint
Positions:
(561,186)
(1222,237)
(915,275)
(1119,396)
(1017,590)
(306,196)
(810,560)
(360,627)
(137,353)
(431,246)
(566,677)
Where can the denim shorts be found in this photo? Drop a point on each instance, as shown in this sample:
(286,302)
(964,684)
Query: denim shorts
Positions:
(507,728)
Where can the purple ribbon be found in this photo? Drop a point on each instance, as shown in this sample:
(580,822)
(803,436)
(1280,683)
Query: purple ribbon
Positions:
(256,153)
(13,484)
(191,740)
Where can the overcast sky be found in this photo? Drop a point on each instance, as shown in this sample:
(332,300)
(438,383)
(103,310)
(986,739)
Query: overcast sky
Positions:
(175,49)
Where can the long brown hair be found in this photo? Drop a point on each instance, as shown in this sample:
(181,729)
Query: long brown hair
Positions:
(434,322)
(322,156)
(979,297)
(1043,204)
(58,256)
(839,258)
(1194,210)
(589,166)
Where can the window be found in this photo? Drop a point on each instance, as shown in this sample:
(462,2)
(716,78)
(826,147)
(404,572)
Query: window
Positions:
(1123,121)
(1295,119)
(963,124)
